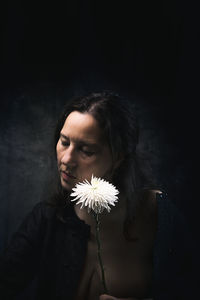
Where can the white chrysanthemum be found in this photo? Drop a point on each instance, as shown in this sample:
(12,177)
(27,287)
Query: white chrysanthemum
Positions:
(97,195)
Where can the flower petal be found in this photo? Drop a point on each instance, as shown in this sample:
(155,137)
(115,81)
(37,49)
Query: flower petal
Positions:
(96,195)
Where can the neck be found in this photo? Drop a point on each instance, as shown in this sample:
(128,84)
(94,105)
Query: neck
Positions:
(108,221)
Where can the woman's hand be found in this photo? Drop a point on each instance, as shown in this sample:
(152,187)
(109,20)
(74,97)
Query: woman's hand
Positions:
(108,297)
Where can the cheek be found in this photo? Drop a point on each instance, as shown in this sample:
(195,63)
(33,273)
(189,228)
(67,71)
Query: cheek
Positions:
(107,160)
(106,167)
(58,153)
(103,167)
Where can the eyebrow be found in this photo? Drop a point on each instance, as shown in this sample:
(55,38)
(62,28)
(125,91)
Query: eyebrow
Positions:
(81,142)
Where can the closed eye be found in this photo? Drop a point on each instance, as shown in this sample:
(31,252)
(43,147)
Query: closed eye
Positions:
(88,153)
(65,143)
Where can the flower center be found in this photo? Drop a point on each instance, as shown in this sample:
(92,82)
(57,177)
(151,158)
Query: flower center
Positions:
(94,187)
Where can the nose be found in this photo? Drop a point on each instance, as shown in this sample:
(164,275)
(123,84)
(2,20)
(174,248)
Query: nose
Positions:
(69,157)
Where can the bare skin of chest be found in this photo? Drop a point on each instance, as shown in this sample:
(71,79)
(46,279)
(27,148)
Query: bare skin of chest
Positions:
(128,265)
(128,271)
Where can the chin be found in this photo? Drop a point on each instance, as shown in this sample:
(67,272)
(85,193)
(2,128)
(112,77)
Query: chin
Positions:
(66,186)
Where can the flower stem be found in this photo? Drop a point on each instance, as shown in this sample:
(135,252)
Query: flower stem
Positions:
(99,252)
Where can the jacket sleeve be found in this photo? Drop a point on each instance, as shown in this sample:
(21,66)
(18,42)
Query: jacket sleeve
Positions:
(20,259)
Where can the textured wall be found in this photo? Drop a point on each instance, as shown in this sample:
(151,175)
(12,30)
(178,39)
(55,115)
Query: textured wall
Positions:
(28,117)
(50,53)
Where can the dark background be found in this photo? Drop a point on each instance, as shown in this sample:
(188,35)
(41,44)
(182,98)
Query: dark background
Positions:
(145,50)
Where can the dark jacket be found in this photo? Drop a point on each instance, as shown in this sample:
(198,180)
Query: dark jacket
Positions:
(50,254)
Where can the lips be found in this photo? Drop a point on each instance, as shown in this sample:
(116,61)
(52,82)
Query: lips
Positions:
(67,175)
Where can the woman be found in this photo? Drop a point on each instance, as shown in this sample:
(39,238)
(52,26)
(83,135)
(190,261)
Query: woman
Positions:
(97,135)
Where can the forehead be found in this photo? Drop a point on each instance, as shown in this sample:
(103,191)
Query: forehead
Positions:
(82,126)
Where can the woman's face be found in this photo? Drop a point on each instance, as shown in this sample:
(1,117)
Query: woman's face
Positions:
(82,151)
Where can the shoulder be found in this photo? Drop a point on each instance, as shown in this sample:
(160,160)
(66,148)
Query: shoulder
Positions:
(149,199)
(35,225)
(39,215)
(157,200)
(156,204)
(150,194)
(170,219)
(42,210)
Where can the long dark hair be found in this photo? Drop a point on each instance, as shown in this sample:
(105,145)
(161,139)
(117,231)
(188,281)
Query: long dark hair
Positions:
(117,118)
